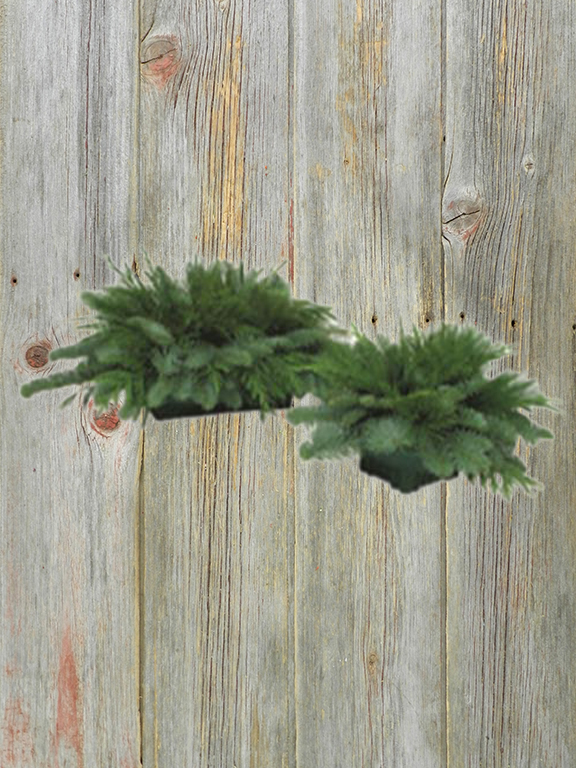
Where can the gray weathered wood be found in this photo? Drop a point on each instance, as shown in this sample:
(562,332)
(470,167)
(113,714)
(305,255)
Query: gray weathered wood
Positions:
(197,595)
(218,493)
(68,557)
(510,235)
(369,561)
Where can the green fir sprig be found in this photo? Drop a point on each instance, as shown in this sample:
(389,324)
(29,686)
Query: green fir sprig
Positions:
(222,339)
(421,410)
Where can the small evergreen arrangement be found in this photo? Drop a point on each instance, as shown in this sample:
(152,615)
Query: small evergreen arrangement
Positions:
(421,410)
(221,341)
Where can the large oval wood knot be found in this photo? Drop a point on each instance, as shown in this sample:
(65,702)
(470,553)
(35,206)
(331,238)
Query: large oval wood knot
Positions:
(160,59)
(462,216)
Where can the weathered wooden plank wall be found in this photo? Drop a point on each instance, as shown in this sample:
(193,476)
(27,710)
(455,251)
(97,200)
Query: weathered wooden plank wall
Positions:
(217,493)
(68,481)
(196,595)
(509,168)
(369,564)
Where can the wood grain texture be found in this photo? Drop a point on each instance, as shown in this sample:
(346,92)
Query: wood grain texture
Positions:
(217,493)
(196,595)
(369,561)
(510,234)
(68,560)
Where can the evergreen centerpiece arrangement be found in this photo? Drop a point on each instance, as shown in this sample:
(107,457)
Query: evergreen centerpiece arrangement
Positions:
(421,410)
(220,341)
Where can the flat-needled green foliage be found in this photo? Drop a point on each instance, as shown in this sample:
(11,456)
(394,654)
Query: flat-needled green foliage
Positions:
(423,402)
(222,338)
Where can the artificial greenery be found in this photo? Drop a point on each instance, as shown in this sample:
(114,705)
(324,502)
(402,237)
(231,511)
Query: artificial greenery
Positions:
(421,410)
(220,341)
(417,412)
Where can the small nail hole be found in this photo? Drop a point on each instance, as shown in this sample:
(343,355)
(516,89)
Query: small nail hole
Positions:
(374,319)
(426,319)
(76,274)
(513,323)
(462,315)
(14,280)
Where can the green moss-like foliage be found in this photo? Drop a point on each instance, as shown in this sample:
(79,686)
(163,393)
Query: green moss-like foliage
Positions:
(421,410)
(222,339)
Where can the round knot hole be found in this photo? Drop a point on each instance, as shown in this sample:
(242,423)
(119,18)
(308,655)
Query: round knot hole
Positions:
(37,356)
(105,423)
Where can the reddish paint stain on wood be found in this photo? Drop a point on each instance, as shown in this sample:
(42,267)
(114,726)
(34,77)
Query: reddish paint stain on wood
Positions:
(68,717)
(131,759)
(17,746)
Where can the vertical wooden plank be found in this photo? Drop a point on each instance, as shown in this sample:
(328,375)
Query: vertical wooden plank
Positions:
(510,238)
(217,630)
(68,561)
(369,561)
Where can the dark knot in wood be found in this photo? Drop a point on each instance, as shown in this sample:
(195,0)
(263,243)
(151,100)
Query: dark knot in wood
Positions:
(37,356)
(106,422)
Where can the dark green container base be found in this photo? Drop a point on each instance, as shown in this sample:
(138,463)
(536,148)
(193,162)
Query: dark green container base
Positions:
(173,409)
(403,470)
